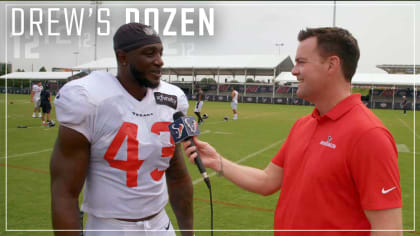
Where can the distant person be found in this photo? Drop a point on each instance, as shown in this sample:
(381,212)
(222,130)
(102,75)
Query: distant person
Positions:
(199,105)
(36,98)
(338,168)
(114,139)
(46,106)
(404,104)
(235,97)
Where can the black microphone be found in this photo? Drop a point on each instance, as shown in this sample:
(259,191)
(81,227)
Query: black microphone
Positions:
(184,128)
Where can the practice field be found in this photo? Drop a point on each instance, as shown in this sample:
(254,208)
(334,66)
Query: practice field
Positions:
(252,140)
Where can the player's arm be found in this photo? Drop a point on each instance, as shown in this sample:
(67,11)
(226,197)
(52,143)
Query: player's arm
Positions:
(32,95)
(180,191)
(388,219)
(264,182)
(68,168)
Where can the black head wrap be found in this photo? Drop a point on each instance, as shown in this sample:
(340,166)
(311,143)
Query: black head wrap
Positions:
(134,35)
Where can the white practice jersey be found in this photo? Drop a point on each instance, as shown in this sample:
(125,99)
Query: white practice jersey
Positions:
(37,91)
(130,142)
(235,97)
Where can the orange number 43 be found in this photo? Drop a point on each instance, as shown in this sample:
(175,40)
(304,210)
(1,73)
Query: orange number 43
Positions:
(132,165)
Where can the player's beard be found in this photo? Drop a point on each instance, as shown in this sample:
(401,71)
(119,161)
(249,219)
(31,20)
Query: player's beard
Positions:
(140,77)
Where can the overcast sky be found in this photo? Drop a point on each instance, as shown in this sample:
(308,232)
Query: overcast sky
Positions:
(386,31)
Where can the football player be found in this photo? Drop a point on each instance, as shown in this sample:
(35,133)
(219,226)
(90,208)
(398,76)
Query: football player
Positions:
(114,139)
(199,105)
(36,98)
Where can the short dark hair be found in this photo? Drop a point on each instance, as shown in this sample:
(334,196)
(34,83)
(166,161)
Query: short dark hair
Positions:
(335,41)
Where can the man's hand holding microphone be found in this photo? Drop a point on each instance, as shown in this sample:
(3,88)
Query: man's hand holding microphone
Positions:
(265,182)
(209,156)
(185,129)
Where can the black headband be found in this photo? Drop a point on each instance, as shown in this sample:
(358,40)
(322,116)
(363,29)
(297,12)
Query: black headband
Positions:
(134,35)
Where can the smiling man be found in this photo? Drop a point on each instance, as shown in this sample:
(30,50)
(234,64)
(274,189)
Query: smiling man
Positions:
(113,138)
(338,168)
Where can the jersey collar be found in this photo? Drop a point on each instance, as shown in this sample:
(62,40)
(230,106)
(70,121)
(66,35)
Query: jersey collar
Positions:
(340,109)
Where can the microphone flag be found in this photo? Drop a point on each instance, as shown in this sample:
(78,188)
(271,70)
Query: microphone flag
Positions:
(183,128)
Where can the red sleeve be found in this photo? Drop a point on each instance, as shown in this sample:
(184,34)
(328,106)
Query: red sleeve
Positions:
(374,168)
(279,158)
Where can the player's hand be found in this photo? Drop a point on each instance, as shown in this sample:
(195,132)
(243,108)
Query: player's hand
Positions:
(208,154)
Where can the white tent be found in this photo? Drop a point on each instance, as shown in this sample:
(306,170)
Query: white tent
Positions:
(265,65)
(377,79)
(17,80)
(39,75)
(100,64)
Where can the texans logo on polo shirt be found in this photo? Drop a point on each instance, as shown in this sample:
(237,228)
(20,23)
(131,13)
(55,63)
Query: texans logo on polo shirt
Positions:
(328,143)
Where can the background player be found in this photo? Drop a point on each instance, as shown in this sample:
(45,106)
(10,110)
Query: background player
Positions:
(235,97)
(36,98)
(199,105)
(46,106)
(404,104)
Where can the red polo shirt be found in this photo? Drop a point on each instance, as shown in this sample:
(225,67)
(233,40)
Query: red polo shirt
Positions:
(336,166)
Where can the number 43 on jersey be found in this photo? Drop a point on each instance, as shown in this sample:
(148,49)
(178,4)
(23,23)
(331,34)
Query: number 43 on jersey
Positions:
(132,165)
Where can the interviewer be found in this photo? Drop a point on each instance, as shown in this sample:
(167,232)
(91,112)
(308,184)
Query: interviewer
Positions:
(338,167)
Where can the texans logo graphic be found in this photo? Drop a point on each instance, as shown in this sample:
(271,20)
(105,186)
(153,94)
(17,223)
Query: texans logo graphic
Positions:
(178,130)
(191,123)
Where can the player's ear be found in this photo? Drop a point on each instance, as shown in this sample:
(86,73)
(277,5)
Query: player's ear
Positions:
(121,58)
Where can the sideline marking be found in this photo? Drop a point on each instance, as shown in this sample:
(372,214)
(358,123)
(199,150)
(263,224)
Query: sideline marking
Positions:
(25,168)
(207,131)
(402,148)
(221,132)
(26,153)
(408,127)
(245,158)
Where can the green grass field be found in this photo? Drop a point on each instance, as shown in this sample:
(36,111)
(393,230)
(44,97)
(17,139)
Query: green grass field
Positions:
(252,140)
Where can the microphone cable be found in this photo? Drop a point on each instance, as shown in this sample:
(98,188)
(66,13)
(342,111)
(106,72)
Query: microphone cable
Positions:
(198,162)
(211,207)
(81,222)
(207,181)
